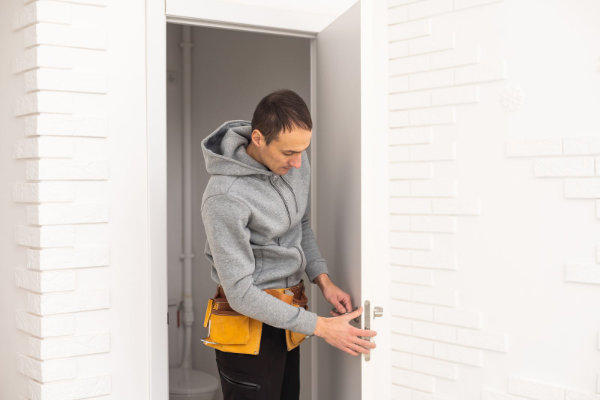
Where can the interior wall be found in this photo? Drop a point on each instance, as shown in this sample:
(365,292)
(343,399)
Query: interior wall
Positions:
(232,71)
(73,203)
(174,189)
(494,132)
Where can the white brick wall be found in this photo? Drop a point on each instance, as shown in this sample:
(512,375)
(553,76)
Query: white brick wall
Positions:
(534,390)
(413,380)
(437,75)
(61,125)
(440,73)
(573,159)
(72,390)
(458,354)
(65,270)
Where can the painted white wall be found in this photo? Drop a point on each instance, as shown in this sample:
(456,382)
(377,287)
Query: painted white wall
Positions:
(74,203)
(174,191)
(494,142)
(232,71)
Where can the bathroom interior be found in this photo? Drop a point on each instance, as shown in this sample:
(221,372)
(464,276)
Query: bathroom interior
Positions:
(229,72)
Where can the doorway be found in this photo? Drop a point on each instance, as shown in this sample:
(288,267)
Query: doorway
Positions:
(349,110)
(231,70)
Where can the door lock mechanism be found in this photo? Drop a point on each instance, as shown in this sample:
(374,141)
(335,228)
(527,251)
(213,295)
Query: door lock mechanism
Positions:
(377,312)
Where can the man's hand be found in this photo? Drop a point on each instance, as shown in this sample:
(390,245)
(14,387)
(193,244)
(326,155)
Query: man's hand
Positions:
(339,333)
(333,294)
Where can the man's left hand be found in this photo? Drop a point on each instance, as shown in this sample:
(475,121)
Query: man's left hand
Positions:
(333,294)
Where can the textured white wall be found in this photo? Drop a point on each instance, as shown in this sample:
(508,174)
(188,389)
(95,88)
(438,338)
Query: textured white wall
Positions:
(76,174)
(494,142)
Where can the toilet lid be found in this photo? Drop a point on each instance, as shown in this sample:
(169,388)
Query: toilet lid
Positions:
(191,381)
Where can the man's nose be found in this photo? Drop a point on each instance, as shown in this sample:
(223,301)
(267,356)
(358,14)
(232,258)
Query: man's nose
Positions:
(296,161)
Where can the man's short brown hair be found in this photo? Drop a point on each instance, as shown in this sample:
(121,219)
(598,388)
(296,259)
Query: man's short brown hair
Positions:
(279,111)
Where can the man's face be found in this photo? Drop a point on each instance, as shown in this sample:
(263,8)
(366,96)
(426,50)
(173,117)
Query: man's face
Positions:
(285,151)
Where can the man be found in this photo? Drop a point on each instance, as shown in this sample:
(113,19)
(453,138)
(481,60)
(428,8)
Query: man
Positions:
(255,211)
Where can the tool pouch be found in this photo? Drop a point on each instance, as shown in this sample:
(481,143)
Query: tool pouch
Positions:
(233,332)
(229,330)
(293,339)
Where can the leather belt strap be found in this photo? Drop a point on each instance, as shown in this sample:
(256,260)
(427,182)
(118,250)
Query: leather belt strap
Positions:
(221,305)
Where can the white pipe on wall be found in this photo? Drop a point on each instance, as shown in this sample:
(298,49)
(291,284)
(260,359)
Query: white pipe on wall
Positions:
(187,256)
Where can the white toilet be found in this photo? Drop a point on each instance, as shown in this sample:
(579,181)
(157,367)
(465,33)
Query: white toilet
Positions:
(186,383)
(191,384)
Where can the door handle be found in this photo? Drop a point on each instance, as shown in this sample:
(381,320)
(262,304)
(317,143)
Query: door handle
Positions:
(377,312)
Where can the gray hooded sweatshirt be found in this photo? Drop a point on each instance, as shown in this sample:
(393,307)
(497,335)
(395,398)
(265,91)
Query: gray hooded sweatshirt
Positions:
(257,228)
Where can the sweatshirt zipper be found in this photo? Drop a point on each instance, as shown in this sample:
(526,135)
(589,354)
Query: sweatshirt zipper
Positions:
(284,203)
(301,256)
(293,195)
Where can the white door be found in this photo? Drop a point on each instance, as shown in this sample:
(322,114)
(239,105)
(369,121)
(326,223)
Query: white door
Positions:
(351,143)
(350,160)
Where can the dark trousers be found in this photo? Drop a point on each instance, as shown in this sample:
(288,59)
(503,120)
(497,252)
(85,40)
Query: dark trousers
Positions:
(272,374)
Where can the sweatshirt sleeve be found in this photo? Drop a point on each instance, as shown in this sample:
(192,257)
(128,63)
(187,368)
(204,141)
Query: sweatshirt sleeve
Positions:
(315,263)
(226,223)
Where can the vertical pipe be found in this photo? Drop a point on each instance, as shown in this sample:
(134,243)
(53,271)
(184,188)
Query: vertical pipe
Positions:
(188,312)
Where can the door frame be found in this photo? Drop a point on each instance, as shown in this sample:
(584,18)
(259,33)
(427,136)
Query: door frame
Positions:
(374,218)
(156,103)
(156,128)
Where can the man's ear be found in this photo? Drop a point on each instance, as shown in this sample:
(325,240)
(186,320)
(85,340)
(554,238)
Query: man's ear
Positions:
(257,138)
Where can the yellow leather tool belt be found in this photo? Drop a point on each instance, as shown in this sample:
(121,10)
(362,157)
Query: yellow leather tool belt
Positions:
(233,332)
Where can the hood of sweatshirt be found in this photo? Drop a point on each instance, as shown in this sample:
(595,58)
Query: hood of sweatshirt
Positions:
(257,229)
(225,153)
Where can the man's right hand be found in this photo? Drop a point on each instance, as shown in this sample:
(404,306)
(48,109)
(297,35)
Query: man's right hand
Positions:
(338,332)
